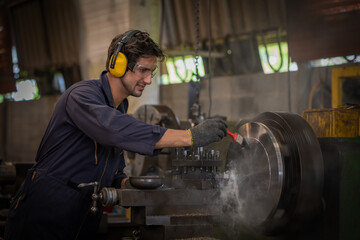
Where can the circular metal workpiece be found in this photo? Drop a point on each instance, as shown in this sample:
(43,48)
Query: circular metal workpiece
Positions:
(259,170)
(277,174)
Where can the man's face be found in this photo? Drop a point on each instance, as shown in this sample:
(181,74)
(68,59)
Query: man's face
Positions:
(135,80)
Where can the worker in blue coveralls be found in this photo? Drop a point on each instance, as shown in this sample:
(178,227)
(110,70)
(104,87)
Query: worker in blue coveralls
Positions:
(84,143)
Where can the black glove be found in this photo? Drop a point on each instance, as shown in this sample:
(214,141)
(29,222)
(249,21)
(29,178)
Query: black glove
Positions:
(208,131)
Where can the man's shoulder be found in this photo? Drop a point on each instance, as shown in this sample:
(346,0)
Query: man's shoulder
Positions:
(86,83)
(83,88)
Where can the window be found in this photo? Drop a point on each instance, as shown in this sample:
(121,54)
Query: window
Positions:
(26,90)
(182,69)
(274,57)
(335,61)
(59,82)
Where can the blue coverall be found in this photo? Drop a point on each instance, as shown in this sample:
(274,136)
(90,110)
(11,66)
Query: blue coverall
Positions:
(83,143)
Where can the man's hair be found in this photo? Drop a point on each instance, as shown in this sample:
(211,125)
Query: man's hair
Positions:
(139,45)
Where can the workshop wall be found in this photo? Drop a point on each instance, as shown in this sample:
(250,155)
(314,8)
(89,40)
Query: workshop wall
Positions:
(245,96)
(26,123)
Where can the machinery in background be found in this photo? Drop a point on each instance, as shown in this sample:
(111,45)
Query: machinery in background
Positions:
(341,122)
(344,85)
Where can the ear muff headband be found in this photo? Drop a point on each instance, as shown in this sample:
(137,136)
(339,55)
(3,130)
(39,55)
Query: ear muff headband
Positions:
(118,61)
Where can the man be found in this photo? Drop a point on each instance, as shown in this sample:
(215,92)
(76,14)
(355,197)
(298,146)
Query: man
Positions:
(84,143)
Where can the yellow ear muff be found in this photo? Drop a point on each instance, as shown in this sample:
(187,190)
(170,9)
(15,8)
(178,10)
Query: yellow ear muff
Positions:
(119,68)
(118,61)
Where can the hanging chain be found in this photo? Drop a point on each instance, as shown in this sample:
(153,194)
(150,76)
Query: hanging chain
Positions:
(197,38)
(195,114)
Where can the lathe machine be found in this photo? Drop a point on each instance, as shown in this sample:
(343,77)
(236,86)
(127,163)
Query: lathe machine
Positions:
(282,182)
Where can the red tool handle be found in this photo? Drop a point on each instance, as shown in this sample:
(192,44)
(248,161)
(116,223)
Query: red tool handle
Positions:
(233,135)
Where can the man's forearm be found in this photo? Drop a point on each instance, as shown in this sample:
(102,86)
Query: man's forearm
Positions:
(174,138)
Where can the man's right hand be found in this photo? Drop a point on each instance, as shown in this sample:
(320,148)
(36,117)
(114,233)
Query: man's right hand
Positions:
(208,131)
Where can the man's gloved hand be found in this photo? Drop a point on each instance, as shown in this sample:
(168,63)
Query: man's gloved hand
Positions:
(208,131)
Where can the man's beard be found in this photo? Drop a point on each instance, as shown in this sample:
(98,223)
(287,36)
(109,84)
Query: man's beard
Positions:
(132,90)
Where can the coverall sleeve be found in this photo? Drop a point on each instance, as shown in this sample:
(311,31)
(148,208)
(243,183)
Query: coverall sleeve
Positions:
(108,126)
